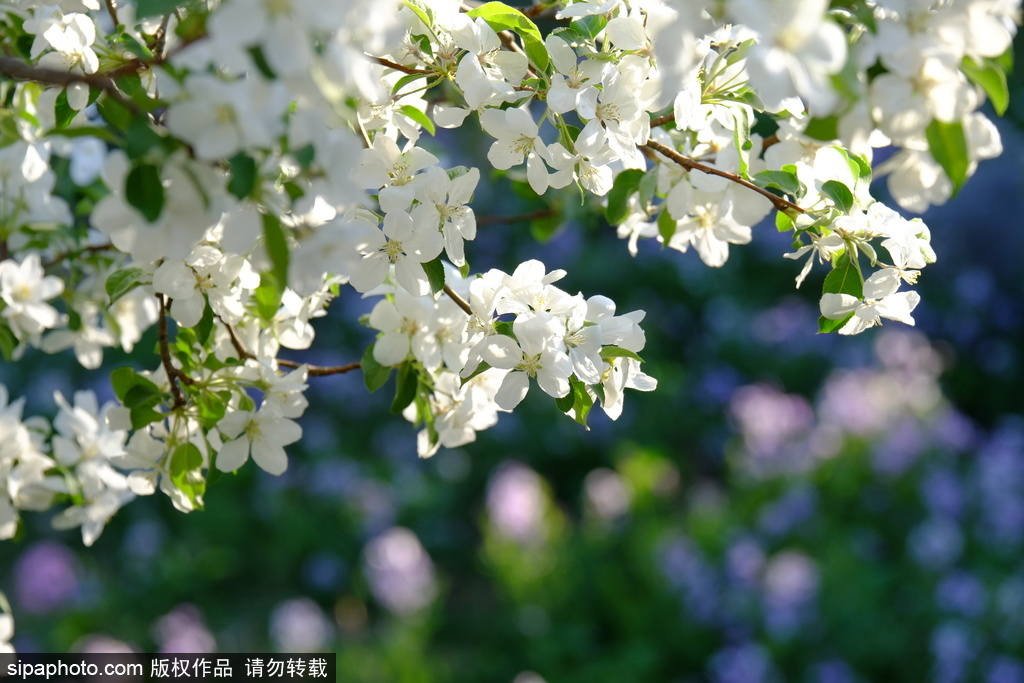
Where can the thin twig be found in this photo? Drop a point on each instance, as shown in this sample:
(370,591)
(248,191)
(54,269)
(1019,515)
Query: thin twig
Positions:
(459,301)
(174,374)
(690,165)
(75,253)
(112,11)
(398,67)
(518,218)
(312,370)
(15,68)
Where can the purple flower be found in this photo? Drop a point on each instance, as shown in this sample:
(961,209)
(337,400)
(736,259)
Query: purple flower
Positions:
(46,577)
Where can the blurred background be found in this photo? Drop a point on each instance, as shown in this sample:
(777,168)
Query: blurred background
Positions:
(785,507)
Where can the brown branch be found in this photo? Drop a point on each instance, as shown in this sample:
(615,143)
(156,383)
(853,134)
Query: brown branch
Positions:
(518,218)
(112,11)
(320,370)
(19,70)
(689,164)
(459,301)
(75,253)
(398,67)
(662,120)
(174,374)
(312,370)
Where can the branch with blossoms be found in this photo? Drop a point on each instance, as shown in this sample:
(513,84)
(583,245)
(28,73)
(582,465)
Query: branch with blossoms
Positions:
(271,176)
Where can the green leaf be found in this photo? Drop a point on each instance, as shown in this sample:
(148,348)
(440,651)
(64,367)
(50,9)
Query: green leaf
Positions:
(122,281)
(419,117)
(435,274)
(666,225)
(124,379)
(948,145)
(63,112)
(375,375)
(648,184)
(783,221)
(845,277)
(828,326)
(785,181)
(242,169)
(741,138)
(152,8)
(8,342)
(825,129)
(406,80)
(268,296)
(144,190)
(990,76)
(591,26)
(581,400)
(205,325)
(115,113)
(277,247)
(565,403)
(543,229)
(140,138)
(184,458)
(625,185)
(87,132)
(421,10)
(186,469)
(501,17)
(839,193)
(608,352)
(405,388)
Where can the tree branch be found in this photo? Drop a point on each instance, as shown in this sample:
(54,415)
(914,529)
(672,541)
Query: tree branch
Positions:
(312,370)
(398,67)
(112,11)
(518,218)
(459,301)
(19,70)
(662,120)
(173,373)
(689,164)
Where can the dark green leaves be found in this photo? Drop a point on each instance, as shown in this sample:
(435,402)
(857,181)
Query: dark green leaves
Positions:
(375,375)
(435,274)
(122,281)
(626,183)
(138,394)
(845,278)
(145,191)
(242,171)
(839,194)
(990,75)
(152,8)
(948,145)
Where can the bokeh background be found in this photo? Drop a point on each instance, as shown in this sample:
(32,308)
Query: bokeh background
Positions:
(785,507)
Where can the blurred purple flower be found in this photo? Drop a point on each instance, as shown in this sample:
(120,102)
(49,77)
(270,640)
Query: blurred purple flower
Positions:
(746,663)
(769,418)
(299,625)
(399,571)
(1005,669)
(796,506)
(744,560)
(832,671)
(183,630)
(942,492)
(961,593)
(608,494)
(45,577)
(936,543)
(902,443)
(687,570)
(953,649)
(515,503)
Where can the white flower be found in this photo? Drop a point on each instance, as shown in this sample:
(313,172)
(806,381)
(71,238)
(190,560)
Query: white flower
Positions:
(443,205)
(517,138)
(402,245)
(25,290)
(263,432)
(881,300)
(538,354)
(710,228)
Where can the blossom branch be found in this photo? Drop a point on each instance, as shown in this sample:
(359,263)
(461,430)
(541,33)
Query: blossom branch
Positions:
(174,374)
(689,164)
(312,370)
(112,11)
